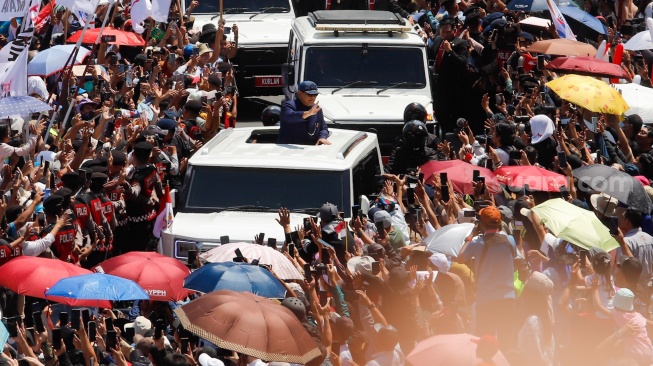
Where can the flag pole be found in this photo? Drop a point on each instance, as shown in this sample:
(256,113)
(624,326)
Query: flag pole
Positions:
(221,12)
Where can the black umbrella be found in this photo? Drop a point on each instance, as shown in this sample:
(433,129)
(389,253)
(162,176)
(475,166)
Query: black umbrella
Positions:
(615,183)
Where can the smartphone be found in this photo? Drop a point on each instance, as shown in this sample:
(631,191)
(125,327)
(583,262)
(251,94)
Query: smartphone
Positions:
(420,177)
(595,124)
(564,192)
(418,214)
(515,155)
(224,239)
(294,237)
(307,272)
(444,179)
(184,344)
(323,298)
(113,59)
(108,323)
(498,99)
(469,213)
(239,256)
(476,174)
(38,322)
(227,30)
(158,329)
(291,250)
(355,211)
(172,58)
(540,62)
(527,188)
(204,99)
(380,229)
(261,238)
(272,243)
(444,191)
(112,339)
(598,156)
(196,51)
(583,257)
(91,328)
(56,338)
(482,180)
(109,38)
(562,159)
(614,226)
(376,267)
(129,334)
(63,319)
(192,257)
(13,327)
(86,316)
(307,224)
(410,196)
(543,97)
(75,318)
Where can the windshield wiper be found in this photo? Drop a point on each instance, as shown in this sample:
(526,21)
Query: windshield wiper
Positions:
(245,207)
(355,83)
(307,211)
(403,83)
(232,11)
(271,9)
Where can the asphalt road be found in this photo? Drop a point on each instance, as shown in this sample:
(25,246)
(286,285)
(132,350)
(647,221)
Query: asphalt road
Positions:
(250,108)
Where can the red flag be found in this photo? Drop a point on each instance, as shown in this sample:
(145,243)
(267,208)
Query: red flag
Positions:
(44,15)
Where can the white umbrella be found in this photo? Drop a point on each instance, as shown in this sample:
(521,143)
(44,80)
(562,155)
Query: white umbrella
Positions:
(536,22)
(639,100)
(448,240)
(52,60)
(642,40)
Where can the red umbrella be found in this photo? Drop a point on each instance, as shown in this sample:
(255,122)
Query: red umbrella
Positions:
(123,38)
(589,66)
(461,174)
(538,179)
(33,276)
(160,276)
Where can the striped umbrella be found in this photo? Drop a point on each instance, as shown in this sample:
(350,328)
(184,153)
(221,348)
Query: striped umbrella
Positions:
(281,265)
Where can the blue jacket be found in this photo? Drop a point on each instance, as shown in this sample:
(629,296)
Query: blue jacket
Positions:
(293,129)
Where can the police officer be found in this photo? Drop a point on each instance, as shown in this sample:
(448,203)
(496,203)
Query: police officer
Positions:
(271,116)
(412,150)
(139,185)
(102,214)
(63,247)
(416,112)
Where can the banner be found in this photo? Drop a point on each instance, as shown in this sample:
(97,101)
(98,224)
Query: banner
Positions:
(13,76)
(10,9)
(86,6)
(564,31)
(140,11)
(160,10)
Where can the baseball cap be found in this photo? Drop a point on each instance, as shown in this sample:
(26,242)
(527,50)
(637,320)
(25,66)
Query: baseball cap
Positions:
(384,217)
(206,360)
(328,212)
(361,264)
(376,251)
(141,325)
(491,216)
(308,87)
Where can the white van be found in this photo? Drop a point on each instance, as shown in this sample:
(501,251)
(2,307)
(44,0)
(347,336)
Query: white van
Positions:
(237,182)
(368,65)
(263,27)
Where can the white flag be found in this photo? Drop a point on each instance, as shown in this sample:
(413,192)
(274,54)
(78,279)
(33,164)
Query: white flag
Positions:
(160,10)
(140,11)
(10,9)
(13,76)
(564,31)
(86,6)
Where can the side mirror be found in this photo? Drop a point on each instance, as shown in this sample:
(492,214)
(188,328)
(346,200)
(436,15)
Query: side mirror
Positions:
(288,74)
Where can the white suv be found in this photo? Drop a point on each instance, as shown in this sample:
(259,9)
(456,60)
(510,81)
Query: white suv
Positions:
(236,183)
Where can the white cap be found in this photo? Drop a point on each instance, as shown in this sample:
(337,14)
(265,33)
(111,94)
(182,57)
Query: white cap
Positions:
(206,360)
(361,264)
(441,261)
(141,325)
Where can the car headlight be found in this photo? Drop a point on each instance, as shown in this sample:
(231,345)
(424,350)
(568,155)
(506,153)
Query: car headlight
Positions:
(183,246)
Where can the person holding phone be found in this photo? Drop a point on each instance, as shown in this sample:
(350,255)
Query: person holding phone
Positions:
(302,121)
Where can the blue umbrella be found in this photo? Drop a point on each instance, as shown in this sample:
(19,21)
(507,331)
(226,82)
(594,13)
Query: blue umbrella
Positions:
(582,23)
(98,286)
(241,277)
(16,106)
(533,6)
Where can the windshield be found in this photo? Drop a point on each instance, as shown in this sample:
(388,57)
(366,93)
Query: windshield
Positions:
(383,65)
(242,6)
(212,187)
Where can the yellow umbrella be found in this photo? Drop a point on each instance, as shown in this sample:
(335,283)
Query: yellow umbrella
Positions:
(589,93)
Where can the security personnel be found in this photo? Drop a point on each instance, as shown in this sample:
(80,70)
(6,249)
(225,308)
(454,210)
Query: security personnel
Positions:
(412,150)
(141,206)
(63,247)
(102,214)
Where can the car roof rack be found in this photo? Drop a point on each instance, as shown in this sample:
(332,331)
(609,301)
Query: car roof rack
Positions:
(358,21)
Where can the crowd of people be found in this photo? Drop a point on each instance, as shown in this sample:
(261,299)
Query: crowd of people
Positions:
(89,187)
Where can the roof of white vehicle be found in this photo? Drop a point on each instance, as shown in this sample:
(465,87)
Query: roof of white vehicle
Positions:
(230,148)
(307,28)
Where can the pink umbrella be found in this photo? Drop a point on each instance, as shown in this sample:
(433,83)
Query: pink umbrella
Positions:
(450,350)
(461,175)
(538,179)
(281,265)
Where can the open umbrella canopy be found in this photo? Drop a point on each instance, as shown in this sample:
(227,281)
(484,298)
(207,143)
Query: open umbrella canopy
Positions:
(281,265)
(538,179)
(584,65)
(575,225)
(37,275)
(620,185)
(639,100)
(639,42)
(461,175)
(160,276)
(249,324)
(97,286)
(123,38)
(589,93)
(583,24)
(450,350)
(52,60)
(448,239)
(241,277)
(16,106)
(562,47)
(533,6)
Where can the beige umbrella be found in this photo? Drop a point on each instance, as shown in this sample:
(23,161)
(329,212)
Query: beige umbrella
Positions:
(562,47)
